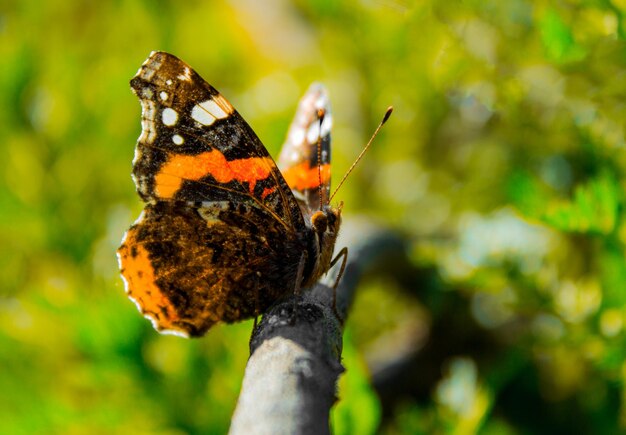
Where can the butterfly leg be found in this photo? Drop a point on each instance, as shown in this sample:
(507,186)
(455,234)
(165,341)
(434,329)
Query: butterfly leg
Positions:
(257,310)
(300,273)
(296,290)
(343,254)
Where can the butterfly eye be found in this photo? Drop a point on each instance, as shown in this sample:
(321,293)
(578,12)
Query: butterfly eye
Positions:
(319,222)
(331,219)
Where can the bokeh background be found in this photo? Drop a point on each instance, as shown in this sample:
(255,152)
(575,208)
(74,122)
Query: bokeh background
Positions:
(503,168)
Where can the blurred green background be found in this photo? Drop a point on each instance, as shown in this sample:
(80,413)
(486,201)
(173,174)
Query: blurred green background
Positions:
(503,167)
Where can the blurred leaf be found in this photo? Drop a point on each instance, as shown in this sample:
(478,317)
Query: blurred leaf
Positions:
(527,194)
(558,39)
(594,207)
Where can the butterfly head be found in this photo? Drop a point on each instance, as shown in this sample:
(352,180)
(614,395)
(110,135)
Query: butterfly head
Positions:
(326,222)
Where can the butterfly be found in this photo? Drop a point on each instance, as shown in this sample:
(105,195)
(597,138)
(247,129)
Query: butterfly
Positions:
(224,232)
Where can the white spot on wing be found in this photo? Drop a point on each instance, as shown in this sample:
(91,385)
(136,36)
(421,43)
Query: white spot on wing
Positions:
(223,104)
(210,209)
(169,116)
(168,82)
(163,95)
(149,67)
(313,134)
(214,109)
(327,124)
(178,139)
(148,131)
(297,136)
(202,115)
(186,75)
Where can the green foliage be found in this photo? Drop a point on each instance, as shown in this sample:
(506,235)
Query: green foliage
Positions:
(594,208)
(503,164)
(358,409)
(558,39)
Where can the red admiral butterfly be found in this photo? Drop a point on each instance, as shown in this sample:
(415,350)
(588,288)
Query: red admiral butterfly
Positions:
(224,232)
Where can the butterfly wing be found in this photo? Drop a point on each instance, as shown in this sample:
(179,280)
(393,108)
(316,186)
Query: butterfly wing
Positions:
(305,165)
(221,236)
(195,147)
(188,268)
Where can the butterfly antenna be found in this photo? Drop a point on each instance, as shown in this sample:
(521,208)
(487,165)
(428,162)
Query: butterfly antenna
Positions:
(320,114)
(385,118)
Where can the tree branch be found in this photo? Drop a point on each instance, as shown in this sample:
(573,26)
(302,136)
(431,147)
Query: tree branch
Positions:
(290,381)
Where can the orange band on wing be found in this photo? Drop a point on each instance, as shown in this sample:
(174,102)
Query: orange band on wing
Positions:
(181,167)
(268,191)
(303,176)
(141,284)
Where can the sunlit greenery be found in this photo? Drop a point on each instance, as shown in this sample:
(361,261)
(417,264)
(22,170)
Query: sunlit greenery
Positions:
(503,167)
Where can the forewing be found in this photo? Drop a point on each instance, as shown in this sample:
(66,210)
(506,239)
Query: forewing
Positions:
(305,173)
(188,268)
(195,147)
